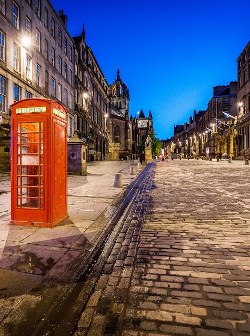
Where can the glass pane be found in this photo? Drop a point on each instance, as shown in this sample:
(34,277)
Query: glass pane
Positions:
(28,127)
(33,148)
(32,181)
(24,180)
(32,192)
(29,203)
(22,138)
(30,159)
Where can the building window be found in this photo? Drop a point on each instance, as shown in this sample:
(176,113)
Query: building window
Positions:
(70,53)
(117,133)
(52,27)
(38,8)
(16,92)
(2,6)
(53,87)
(28,67)
(59,37)
(38,74)
(2,94)
(28,94)
(70,100)
(15,15)
(46,49)
(71,77)
(65,71)
(27,26)
(59,64)
(65,97)
(2,46)
(46,17)
(16,57)
(38,40)
(59,92)
(46,82)
(65,45)
(52,55)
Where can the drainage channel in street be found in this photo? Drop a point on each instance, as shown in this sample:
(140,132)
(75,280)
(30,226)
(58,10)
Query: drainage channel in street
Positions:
(62,316)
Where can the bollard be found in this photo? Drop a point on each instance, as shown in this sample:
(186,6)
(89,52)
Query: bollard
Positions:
(138,165)
(118,181)
(246,162)
(132,170)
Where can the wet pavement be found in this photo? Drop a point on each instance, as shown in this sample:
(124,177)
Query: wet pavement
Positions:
(40,266)
(180,265)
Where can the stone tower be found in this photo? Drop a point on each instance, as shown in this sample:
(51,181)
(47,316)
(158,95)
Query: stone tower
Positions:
(120,124)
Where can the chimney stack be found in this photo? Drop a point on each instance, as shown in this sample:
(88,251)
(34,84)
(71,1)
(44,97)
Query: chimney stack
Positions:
(63,17)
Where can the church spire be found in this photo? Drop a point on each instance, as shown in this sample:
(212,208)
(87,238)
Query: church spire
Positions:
(83,31)
(118,77)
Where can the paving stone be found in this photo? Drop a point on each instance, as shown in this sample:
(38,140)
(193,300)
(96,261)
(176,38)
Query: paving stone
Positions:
(148,325)
(243,326)
(244,299)
(86,318)
(215,323)
(206,332)
(212,289)
(176,330)
(184,319)
(228,315)
(175,308)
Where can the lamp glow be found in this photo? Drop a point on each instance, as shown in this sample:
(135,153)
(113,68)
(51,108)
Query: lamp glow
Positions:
(26,41)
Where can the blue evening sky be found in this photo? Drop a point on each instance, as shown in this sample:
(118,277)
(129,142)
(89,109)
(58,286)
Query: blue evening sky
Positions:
(170,53)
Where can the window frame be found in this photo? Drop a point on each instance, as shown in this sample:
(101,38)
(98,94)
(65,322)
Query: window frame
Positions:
(28,31)
(2,46)
(38,74)
(52,27)
(52,56)
(28,67)
(3,94)
(38,40)
(59,92)
(3,6)
(53,87)
(15,16)
(18,92)
(16,57)
(38,8)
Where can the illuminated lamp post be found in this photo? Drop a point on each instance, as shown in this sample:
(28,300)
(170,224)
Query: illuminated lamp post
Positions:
(231,136)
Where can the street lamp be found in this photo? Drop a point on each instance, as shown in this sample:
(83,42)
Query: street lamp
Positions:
(231,139)
(26,41)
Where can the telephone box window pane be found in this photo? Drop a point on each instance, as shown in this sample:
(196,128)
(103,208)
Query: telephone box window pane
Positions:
(30,159)
(29,203)
(30,170)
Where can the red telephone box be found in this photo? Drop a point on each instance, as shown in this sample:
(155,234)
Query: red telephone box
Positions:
(38,163)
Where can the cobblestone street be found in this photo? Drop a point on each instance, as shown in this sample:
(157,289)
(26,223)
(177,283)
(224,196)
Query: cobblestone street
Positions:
(185,268)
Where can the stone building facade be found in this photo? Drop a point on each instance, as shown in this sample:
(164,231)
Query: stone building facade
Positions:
(209,132)
(92,101)
(243,99)
(39,58)
(36,58)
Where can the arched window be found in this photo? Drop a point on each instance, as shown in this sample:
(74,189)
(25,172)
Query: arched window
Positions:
(117,133)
